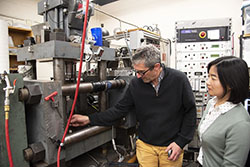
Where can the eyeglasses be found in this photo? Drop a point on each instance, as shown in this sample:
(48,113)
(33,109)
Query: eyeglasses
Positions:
(142,73)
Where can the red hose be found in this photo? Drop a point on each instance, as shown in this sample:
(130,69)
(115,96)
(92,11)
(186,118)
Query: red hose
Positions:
(78,81)
(7,138)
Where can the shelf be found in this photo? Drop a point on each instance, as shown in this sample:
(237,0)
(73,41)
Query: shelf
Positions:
(19,29)
(13,68)
(11,47)
(12,54)
(18,36)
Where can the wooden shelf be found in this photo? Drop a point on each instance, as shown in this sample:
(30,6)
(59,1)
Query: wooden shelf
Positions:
(18,36)
(19,29)
(13,69)
(11,47)
(12,54)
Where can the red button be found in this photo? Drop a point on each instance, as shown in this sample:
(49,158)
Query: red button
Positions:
(202,34)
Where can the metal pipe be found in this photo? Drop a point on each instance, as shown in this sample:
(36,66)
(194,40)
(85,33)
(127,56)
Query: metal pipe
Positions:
(102,66)
(59,75)
(91,87)
(33,66)
(83,134)
(87,65)
(101,11)
(70,67)
(58,69)
(61,18)
(45,17)
(84,88)
(56,20)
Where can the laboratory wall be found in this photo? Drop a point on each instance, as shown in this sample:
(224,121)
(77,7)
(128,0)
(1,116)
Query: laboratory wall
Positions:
(20,13)
(165,13)
(160,13)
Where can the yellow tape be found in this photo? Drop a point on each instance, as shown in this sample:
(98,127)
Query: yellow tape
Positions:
(6,115)
(7,108)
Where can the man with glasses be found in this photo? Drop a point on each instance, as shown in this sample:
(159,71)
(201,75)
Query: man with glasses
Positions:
(165,109)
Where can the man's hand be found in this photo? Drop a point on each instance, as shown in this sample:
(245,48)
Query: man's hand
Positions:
(79,120)
(176,151)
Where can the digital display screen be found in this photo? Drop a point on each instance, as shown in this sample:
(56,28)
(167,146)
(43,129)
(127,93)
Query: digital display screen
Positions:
(215,55)
(186,31)
(198,73)
(215,46)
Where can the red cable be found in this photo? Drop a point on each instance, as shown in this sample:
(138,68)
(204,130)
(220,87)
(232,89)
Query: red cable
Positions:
(78,81)
(7,138)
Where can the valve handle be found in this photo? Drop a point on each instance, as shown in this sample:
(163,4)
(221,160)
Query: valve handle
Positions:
(14,82)
(51,96)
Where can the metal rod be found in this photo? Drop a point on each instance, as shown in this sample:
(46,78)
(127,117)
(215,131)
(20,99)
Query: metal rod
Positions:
(88,87)
(70,88)
(84,88)
(56,18)
(58,69)
(83,134)
(61,18)
(33,64)
(102,66)
(101,11)
(70,67)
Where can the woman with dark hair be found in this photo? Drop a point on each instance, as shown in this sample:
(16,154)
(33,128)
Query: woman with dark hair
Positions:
(224,129)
